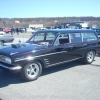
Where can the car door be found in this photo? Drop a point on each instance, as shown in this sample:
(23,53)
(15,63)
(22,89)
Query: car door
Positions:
(78,47)
(72,50)
(61,49)
(81,43)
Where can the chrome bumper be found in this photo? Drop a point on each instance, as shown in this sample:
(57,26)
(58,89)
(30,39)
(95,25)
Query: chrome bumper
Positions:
(10,68)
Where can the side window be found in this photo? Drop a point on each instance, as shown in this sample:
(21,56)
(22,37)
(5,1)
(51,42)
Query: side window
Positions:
(89,36)
(75,37)
(39,37)
(50,36)
(98,30)
(62,39)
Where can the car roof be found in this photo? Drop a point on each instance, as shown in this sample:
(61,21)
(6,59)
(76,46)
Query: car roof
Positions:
(67,30)
(96,28)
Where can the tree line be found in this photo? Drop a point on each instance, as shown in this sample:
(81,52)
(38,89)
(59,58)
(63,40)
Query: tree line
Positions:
(47,21)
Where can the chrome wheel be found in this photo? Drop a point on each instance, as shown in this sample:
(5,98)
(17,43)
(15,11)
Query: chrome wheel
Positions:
(90,56)
(32,70)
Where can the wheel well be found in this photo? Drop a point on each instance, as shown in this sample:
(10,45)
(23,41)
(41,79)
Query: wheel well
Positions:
(92,50)
(40,62)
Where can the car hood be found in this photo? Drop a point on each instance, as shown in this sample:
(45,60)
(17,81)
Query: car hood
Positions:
(20,48)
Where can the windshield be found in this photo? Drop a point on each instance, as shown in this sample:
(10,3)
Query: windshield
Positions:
(43,38)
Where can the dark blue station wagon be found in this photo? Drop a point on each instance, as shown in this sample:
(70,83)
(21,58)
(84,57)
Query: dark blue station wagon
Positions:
(47,48)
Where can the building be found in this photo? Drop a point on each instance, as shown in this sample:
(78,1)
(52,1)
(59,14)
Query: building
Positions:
(17,21)
(33,25)
(84,25)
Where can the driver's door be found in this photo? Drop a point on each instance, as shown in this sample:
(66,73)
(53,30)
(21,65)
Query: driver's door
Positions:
(61,49)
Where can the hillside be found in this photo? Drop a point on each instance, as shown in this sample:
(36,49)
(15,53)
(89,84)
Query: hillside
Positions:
(46,21)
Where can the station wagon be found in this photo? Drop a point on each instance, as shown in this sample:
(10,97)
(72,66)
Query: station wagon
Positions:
(48,48)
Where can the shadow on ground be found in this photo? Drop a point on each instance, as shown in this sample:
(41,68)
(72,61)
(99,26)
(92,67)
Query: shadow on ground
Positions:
(7,78)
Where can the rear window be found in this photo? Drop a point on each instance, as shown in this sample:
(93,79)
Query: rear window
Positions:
(75,37)
(89,36)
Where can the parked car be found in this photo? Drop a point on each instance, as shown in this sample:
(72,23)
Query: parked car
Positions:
(30,30)
(97,31)
(1,31)
(22,30)
(7,30)
(5,39)
(47,48)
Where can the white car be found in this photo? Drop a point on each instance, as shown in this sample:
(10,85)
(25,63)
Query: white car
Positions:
(29,30)
(2,33)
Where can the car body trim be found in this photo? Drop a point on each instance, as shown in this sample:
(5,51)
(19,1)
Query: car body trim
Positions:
(11,68)
(17,59)
(64,62)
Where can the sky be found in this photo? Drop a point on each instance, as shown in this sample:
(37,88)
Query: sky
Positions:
(49,8)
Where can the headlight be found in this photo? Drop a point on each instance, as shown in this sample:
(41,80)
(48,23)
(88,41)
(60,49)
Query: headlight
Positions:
(5,59)
(8,60)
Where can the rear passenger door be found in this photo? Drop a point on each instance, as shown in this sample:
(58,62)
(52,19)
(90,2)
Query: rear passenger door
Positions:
(82,42)
(77,46)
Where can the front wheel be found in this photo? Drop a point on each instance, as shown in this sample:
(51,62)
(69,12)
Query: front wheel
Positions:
(89,57)
(31,71)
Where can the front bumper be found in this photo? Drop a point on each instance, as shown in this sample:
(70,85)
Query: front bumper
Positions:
(15,68)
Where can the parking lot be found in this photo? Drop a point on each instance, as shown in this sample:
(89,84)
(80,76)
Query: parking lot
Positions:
(71,81)
(22,36)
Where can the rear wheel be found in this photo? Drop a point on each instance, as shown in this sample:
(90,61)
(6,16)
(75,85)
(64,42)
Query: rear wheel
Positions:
(89,57)
(31,71)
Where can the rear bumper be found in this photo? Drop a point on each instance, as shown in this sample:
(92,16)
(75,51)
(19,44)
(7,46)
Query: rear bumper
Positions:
(15,68)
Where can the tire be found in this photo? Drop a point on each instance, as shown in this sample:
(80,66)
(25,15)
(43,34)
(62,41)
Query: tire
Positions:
(1,43)
(31,71)
(89,57)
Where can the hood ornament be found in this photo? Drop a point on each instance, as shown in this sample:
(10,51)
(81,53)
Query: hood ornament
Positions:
(19,45)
